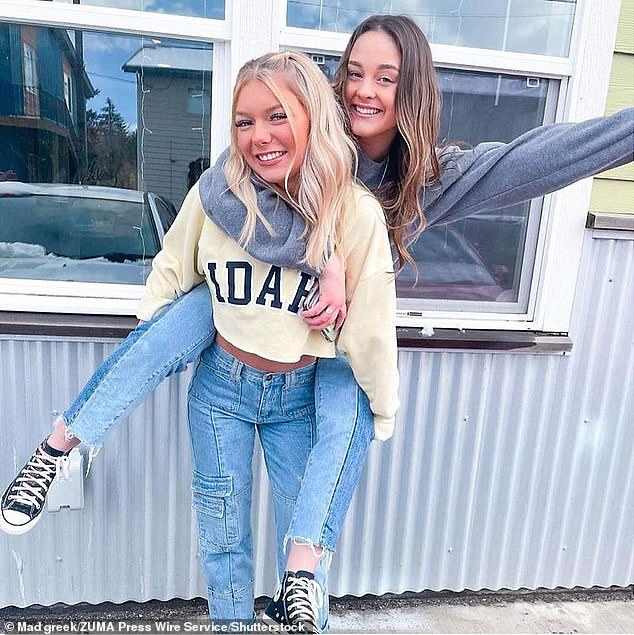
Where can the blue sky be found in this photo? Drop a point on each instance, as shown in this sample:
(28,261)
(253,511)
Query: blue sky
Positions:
(104,55)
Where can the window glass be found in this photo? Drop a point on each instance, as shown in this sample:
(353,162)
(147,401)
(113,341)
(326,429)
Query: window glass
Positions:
(491,252)
(68,93)
(110,112)
(197,101)
(31,97)
(59,232)
(165,210)
(526,26)
(487,258)
(200,8)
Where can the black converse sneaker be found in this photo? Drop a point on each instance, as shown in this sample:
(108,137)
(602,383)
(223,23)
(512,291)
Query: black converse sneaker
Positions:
(23,501)
(297,606)
(273,614)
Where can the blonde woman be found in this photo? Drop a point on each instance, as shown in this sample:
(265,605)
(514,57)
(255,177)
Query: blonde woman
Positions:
(259,374)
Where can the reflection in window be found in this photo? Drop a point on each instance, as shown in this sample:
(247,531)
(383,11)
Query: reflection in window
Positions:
(68,90)
(485,258)
(526,26)
(197,101)
(499,245)
(116,112)
(170,135)
(68,232)
(31,96)
(201,8)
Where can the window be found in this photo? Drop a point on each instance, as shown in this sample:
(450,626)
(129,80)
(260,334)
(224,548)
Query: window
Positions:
(71,233)
(487,258)
(504,67)
(68,92)
(138,132)
(484,262)
(165,210)
(31,97)
(134,95)
(528,26)
(201,8)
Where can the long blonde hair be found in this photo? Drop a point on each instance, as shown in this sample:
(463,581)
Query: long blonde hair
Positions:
(418,106)
(325,176)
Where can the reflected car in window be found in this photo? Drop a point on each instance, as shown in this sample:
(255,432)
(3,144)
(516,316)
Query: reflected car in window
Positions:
(447,267)
(80,233)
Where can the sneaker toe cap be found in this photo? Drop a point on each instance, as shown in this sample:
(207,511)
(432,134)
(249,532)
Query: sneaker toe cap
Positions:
(15,518)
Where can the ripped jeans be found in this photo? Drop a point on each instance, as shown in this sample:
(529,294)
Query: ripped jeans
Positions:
(313,469)
(153,351)
(176,337)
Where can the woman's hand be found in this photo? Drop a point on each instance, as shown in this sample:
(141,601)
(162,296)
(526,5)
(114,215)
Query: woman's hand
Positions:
(331,306)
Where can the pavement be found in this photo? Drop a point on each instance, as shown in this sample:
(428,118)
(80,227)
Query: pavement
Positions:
(611,612)
(600,611)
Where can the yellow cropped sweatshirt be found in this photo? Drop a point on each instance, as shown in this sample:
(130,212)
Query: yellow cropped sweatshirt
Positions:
(255,305)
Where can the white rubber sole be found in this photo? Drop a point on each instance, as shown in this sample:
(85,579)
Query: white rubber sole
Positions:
(17,530)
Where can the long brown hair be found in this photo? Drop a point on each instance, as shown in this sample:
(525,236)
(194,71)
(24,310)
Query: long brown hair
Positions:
(413,152)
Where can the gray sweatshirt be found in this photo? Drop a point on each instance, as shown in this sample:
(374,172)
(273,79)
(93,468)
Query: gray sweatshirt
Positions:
(490,176)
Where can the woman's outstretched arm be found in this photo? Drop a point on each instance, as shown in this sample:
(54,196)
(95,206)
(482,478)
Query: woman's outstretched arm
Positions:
(541,161)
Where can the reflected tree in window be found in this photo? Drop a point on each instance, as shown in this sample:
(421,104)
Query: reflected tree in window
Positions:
(111,149)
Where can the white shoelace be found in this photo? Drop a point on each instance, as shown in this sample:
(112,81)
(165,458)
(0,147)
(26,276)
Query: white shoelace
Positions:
(304,599)
(36,477)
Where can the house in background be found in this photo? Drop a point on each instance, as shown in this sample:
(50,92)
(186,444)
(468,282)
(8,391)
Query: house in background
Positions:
(43,92)
(173,93)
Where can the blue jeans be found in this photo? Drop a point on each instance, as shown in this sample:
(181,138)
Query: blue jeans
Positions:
(176,337)
(227,403)
(345,428)
(313,469)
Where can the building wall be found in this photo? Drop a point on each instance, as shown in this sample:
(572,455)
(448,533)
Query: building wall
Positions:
(613,191)
(506,471)
(173,137)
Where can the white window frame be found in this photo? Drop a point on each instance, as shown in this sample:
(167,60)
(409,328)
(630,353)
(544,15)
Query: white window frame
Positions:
(252,27)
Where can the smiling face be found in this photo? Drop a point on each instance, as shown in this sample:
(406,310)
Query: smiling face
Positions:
(370,92)
(264,134)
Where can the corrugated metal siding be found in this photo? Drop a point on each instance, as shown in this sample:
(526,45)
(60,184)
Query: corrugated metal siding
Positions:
(507,471)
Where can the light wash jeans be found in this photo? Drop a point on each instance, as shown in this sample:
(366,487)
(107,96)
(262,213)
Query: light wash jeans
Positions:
(227,403)
(176,337)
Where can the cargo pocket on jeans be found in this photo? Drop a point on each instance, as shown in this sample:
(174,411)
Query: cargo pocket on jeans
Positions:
(216,510)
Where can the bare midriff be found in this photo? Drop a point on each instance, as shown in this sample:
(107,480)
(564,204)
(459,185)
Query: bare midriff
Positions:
(261,363)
